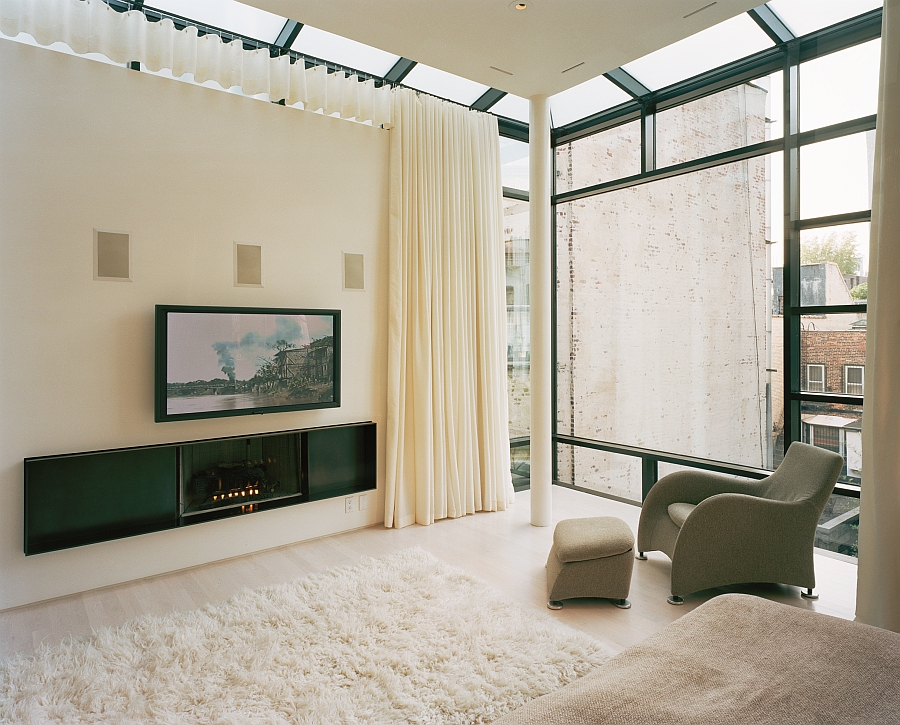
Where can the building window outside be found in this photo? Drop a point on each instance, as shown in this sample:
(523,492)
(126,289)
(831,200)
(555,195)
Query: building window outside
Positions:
(853,379)
(815,378)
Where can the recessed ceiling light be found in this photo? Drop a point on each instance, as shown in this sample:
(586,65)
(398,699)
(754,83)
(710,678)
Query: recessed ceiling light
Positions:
(520,5)
(577,65)
(493,67)
(700,10)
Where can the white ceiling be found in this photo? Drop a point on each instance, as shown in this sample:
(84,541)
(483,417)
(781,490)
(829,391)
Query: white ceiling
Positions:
(536,45)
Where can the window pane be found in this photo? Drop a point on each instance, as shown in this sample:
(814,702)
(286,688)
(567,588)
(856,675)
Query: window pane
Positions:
(723,121)
(587,98)
(343,51)
(834,263)
(520,466)
(514,163)
(611,154)
(850,75)
(838,528)
(805,16)
(609,473)
(518,344)
(735,38)
(836,175)
(662,317)
(837,428)
(227,15)
(828,345)
(443,84)
(513,107)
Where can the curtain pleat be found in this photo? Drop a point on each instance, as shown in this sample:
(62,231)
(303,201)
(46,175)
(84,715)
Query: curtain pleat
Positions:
(877,600)
(91,26)
(447,442)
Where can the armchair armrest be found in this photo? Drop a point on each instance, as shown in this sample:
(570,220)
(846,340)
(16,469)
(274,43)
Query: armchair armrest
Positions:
(733,538)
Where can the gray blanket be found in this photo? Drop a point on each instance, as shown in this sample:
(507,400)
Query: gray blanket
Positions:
(737,660)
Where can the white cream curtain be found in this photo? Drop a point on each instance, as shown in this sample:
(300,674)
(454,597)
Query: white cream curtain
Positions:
(91,26)
(878,588)
(447,437)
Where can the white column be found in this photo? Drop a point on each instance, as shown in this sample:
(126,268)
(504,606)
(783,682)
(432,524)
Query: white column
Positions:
(540,184)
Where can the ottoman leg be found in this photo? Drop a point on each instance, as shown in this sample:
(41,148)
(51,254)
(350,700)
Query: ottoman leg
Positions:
(553,604)
(622,603)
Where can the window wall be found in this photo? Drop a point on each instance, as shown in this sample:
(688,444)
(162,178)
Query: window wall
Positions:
(711,272)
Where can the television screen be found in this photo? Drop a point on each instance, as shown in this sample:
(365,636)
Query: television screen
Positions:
(218,361)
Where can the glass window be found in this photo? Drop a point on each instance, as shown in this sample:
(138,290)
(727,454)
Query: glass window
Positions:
(836,427)
(514,163)
(735,38)
(227,15)
(443,84)
(343,51)
(834,265)
(805,16)
(585,99)
(836,175)
(518,343)
(853,379)
(723,121)
(611,154)
(838,528)
(850,75)
(663,333)
(815,378)
(514,107)
(830,344)
(609,473)
(520,465)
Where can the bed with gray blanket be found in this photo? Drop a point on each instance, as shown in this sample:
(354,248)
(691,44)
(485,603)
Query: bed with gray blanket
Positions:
(737,660)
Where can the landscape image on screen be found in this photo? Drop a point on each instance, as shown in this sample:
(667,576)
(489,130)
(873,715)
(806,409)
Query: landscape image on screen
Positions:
(232,361)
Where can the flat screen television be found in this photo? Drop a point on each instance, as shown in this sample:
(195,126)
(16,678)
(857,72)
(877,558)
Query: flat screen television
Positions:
(219,361)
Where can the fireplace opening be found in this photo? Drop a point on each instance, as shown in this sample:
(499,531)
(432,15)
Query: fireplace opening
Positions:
(239,473)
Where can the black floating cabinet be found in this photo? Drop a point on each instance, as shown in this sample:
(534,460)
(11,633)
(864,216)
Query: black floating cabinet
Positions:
(85,498)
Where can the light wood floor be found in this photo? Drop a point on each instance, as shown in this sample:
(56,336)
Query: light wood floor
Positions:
(501,548)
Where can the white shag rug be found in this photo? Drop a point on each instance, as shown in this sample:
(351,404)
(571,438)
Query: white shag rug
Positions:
(401,639)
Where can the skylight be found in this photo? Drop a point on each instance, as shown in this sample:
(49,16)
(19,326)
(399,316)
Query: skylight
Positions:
(728,41)
(514,107)
(587,98)
(227,15)
(805,16)
(443,84)
(343,51)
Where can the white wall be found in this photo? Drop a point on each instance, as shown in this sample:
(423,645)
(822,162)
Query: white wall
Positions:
(188,171)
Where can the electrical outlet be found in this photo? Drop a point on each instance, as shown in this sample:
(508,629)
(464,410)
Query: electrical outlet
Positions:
(363,501)
(348,505)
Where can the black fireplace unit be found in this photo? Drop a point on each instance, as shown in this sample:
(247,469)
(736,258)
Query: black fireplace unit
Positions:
(85,498)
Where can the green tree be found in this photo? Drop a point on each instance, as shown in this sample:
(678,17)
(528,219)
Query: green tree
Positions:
(834,247)
(860,292)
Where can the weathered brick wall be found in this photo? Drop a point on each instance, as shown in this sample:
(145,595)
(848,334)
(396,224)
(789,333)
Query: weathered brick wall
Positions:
(662,307)
(834,349)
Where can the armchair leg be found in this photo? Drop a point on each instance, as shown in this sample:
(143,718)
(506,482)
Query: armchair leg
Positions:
(674,600)
(641,556)
(809,594)
(621,603)
(554,604)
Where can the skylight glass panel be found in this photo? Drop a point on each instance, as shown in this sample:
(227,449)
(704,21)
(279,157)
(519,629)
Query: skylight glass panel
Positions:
(514,107)
(227,15)
(586,98)
(514,163)
(805,16)
(723,43)
(343,51)
(443,84)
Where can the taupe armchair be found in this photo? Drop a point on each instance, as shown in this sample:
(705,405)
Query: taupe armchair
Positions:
(718,530)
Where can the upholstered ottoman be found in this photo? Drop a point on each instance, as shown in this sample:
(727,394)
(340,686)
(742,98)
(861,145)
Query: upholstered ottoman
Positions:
(590,557)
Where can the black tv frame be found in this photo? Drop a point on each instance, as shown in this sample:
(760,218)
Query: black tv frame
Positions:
(161,356)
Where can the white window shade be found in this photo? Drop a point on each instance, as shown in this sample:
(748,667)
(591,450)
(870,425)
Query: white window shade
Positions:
(343,51)
(227,15)
(587,98)
(443,84)
(723,43)
(805,16)
(514,107)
